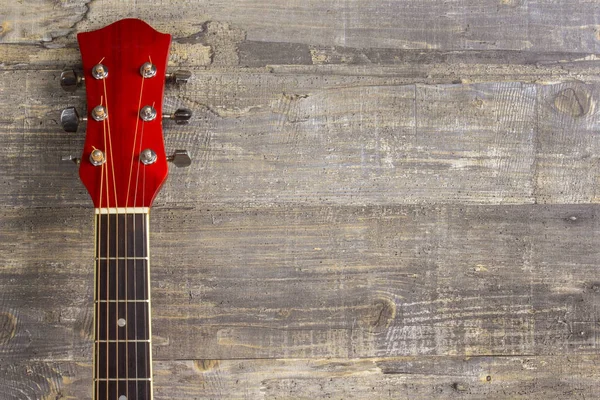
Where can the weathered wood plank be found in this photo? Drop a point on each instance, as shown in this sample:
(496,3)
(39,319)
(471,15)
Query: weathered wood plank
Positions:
(324,281)
(33,21)
(265,138)
(568,144)
(220,47)
(412,24)
(375,209)
(573,377)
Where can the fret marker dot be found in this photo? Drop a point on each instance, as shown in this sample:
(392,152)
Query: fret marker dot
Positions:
(122,397)
(121,323)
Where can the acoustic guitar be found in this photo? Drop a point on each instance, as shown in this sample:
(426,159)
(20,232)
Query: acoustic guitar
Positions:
(123,166)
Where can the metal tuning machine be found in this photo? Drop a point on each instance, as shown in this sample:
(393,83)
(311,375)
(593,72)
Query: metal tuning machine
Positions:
(179,76)
(181,116)
(70,80)
(180,158)
(70,159)
(70,119)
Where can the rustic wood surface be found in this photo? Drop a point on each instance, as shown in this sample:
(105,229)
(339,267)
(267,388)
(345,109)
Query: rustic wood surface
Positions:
(388,200)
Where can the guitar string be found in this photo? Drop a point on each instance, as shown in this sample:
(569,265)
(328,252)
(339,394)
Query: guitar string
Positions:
(107,274)
(144,232)
(134,228)
(97,294)
(107,256)
(147,367)
(106,124)
(127,322)
(145,334)
(112,167)
(126,244)
(147,288)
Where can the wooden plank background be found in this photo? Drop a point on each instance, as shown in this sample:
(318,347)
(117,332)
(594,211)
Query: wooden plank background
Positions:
(388,200)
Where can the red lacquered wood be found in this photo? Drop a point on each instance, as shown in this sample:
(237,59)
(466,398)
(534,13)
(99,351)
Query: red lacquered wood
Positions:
(123,47)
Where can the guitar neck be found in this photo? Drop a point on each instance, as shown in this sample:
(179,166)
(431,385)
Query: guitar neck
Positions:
(122,329)
(123,165)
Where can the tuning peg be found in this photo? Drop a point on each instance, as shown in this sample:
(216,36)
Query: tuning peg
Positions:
(180,158)
(181,116)
(179,76)
(70,119)
(70,80)
(70,158)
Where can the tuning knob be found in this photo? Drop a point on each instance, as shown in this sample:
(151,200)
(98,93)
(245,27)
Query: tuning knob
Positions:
(70,80)
(70,119)
(181,116)
(70,158)
(180,158)
(179,76)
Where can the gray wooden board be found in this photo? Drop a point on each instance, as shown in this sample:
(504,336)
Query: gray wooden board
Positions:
(567,25)
(322,281)
(387,200)
(402,378)
(269,138)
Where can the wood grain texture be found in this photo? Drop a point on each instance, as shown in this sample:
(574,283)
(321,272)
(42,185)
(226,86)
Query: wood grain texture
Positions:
(401,378)
(412,24)
(324,282)
(269,138)
(387,200)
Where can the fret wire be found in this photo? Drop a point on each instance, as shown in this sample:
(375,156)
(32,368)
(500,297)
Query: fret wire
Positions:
(122,301)
(125,341)
(123,258)
(121,379)
(123,210)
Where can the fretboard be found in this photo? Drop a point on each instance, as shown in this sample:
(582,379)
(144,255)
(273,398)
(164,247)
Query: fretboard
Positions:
(122,347)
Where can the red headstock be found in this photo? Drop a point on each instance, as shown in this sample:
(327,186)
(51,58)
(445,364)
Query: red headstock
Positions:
(124,162)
